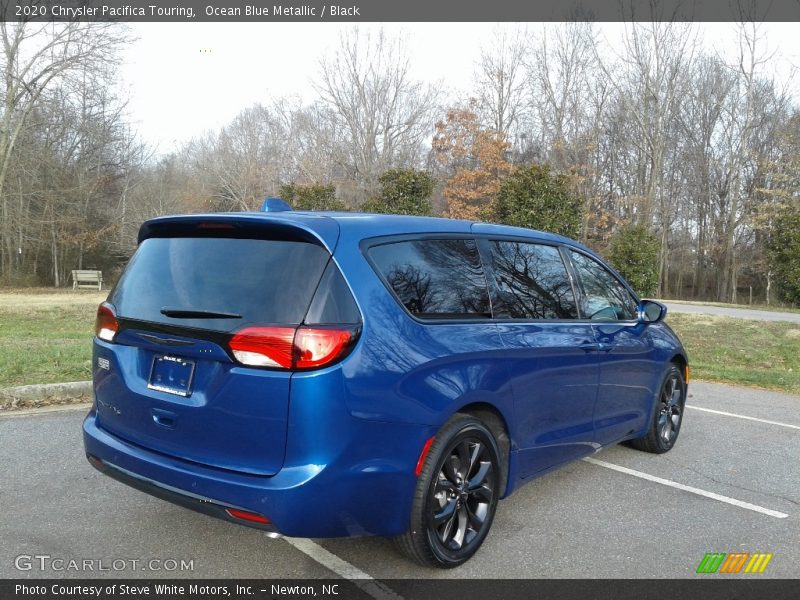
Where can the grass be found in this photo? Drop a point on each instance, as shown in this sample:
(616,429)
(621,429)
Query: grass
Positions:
(46,336)
(757,353)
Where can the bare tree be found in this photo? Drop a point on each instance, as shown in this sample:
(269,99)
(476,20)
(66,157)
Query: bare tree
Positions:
(561,66)
(657,57)
(499,82)
(700,122)
(314,151)
(650,86)
(569,101)
(35,57)
(385,114)
(742,119)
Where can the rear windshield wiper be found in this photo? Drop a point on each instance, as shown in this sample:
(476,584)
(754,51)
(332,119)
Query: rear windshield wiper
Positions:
(190,313)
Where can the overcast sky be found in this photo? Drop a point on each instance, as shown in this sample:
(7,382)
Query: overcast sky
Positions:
(185,78)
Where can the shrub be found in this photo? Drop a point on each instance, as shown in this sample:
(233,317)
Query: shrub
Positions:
(783,252)
(533,197)
(311,196)
(634,253)
(402,192)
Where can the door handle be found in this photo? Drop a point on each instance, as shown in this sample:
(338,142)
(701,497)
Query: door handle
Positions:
(590,346)
(606,344)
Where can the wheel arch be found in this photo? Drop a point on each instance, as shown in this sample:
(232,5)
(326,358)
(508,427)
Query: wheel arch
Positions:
(496,423)
(682,363)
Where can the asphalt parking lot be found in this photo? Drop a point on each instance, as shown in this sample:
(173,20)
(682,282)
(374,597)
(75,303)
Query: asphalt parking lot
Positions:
(728,311)
(586,520)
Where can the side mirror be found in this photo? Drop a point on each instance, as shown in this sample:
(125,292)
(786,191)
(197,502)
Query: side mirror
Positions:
(651,311)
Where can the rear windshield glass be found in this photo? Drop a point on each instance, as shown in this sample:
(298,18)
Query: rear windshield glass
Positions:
(435,278)
(247,281)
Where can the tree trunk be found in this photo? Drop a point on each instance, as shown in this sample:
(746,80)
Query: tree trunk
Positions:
(56,280)
(769,284)
(4,239)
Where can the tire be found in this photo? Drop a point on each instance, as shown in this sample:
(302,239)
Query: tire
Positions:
(456,495)
(667,416)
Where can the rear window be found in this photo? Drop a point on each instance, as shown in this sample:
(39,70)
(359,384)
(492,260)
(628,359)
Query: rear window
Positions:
(435,278)
(252,281)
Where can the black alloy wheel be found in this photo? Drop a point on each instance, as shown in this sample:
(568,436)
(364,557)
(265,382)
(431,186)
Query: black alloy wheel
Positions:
(670,410)
(668,417)
(456,495)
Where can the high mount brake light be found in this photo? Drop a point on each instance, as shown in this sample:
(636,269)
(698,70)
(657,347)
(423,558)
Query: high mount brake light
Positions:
(215,226)
(290,348)
(106,324)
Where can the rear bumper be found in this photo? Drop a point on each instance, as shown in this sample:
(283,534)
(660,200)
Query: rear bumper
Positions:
(181,498)
(361,486)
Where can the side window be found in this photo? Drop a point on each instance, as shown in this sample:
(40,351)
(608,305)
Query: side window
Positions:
(605,298)
(435,278)
(532,282)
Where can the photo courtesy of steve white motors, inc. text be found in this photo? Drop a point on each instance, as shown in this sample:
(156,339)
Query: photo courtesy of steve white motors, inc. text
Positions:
(121,11)
(169,589)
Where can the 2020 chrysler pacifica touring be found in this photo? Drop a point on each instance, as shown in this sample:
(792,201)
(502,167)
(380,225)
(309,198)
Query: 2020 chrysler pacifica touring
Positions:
(336,374)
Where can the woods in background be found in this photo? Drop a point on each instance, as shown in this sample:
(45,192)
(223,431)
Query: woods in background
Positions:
(682,166)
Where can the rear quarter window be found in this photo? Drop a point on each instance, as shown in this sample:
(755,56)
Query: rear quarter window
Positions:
(333,303)
(435,278)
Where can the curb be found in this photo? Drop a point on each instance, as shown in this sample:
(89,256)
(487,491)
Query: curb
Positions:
(43,410)
(49,391)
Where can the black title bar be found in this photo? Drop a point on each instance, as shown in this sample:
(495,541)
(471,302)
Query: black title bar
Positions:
(400,10)
(710,587)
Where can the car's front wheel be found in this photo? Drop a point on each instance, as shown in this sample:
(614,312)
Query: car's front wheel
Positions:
(668,417)
(456,495)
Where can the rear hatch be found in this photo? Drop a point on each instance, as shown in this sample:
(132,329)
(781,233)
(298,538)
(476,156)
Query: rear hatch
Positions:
(169,380)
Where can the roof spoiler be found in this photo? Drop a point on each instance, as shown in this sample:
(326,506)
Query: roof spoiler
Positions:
(274,205)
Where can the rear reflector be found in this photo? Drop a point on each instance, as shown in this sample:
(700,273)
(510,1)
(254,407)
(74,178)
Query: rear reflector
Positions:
(423,455)
(106,325)
(96,462)
(247,516)
(290,348)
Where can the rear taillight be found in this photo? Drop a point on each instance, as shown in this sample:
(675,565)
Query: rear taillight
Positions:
(264,346)
(318,347)
(290,348)
(106,324)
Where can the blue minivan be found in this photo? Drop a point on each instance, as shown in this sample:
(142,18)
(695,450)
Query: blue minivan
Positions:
(336,374)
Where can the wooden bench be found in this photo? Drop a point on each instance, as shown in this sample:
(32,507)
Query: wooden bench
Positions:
(87,279)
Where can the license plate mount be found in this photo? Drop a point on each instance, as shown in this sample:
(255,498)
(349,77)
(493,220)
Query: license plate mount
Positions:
(172,375)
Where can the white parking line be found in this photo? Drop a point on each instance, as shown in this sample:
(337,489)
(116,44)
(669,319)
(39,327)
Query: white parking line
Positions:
(727,414)
(344,569)
(687,488)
